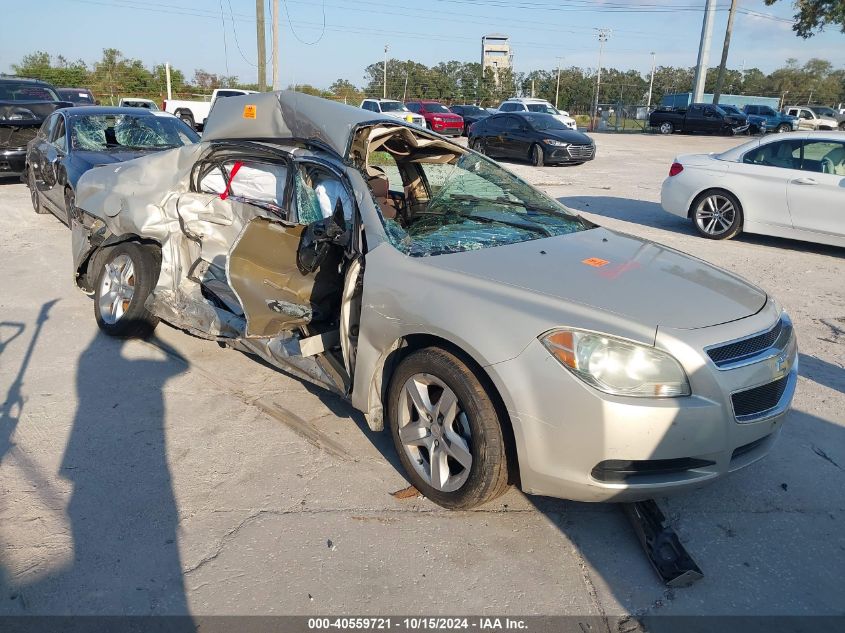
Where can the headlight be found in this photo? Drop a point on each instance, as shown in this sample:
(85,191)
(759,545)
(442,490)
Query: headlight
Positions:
(437,118)
(409,118)
(555,143)
(617,366)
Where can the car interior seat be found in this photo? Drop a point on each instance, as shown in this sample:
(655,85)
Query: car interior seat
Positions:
(834,161)
(380,186)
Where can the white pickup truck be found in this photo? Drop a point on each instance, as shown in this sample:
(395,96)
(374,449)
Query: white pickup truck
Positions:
(194,113)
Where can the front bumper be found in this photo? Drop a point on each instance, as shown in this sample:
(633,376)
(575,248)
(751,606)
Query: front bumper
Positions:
(448,129)
(12,160)
(572,154)
(575,442)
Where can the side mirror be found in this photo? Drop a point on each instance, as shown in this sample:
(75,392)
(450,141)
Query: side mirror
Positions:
(318,238)
(97,102)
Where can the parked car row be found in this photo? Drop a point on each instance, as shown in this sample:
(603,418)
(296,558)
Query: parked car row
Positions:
(616,369)
(756,119)
(436,116)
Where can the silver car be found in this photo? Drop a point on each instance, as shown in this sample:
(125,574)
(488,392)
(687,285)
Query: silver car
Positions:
(499,336)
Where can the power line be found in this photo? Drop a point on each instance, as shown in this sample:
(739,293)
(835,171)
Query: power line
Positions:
(293,31)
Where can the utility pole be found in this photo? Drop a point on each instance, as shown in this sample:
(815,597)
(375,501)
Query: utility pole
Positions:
(384,91)
(262,45)
(650,82)
(167,77)
(275,18)
(557,89)
(405,89)
(703,52)
(603,35)
(721,77)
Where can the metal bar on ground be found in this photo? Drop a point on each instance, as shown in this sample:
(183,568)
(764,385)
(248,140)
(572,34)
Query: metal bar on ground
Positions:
(667,555)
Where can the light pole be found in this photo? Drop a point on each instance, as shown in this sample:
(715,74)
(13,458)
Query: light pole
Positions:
(650,82)
(557,89)
(603,35)
(703,52)
(384,91)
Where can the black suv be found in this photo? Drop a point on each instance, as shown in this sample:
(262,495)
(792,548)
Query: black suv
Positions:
(24,104)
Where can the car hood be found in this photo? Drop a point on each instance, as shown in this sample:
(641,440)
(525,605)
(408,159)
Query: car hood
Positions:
(639,280)
(567,136)
(94,159)
(450,116)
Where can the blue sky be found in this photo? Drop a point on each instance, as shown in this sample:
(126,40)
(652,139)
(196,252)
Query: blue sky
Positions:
(189,33)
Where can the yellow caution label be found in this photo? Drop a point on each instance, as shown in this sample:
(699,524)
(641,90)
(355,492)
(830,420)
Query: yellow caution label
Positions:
(249,112)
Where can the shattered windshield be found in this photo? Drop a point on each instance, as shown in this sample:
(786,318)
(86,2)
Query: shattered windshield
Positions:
(476,204)
(542,107)
(129,132)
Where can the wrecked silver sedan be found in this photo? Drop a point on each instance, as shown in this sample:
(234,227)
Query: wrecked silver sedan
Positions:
(498,335)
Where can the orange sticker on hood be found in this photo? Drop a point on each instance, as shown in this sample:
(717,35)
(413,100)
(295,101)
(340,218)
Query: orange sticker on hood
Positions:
(595,262)
(249,112)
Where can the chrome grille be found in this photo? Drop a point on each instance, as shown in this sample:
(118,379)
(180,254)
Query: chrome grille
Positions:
(757,401)
(737,351)
(581,152)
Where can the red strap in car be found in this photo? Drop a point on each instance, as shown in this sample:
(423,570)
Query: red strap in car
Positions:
(235,169)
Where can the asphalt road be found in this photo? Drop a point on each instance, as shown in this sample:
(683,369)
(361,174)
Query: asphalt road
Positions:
(171,476)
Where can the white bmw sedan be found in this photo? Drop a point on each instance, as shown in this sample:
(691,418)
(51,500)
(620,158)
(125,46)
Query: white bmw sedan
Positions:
(787,185)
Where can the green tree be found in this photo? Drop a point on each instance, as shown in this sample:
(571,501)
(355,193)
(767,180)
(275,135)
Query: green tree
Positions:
(813,15)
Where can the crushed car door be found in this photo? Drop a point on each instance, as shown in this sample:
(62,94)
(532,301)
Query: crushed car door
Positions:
(286,274)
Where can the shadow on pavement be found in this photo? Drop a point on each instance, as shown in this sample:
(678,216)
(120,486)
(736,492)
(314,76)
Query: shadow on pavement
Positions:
(122,512)
(822,372)
(12,406)
(651,214)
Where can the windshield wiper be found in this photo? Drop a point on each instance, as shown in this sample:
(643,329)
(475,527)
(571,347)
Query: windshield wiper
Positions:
(535,228)
(463,197)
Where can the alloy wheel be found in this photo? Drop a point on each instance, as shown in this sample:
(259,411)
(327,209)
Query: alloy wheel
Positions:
(715,215)
(665,128)
(435,432)
(117,288)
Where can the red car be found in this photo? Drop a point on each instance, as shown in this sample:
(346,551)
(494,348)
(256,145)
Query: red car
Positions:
(438,117)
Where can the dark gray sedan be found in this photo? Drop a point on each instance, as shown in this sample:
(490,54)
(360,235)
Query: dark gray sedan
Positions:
(540,138)
(73,140)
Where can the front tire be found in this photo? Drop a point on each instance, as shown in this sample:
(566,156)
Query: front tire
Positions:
(446,430)
(70,207)
(666,128)
(33,193)
(478,146)
(717,215)
(128,273)
(784,127)
(538,158)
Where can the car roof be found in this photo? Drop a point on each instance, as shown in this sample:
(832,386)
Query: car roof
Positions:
(104,110)
(29,80)
(380,100)
(286,114)
(72,88)
(527,100)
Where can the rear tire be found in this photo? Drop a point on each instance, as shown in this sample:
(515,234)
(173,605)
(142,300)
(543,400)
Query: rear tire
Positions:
(666,128)
(456,455)
(33,193)
(842,126)
(538,158)
(128,273)
(717,215)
